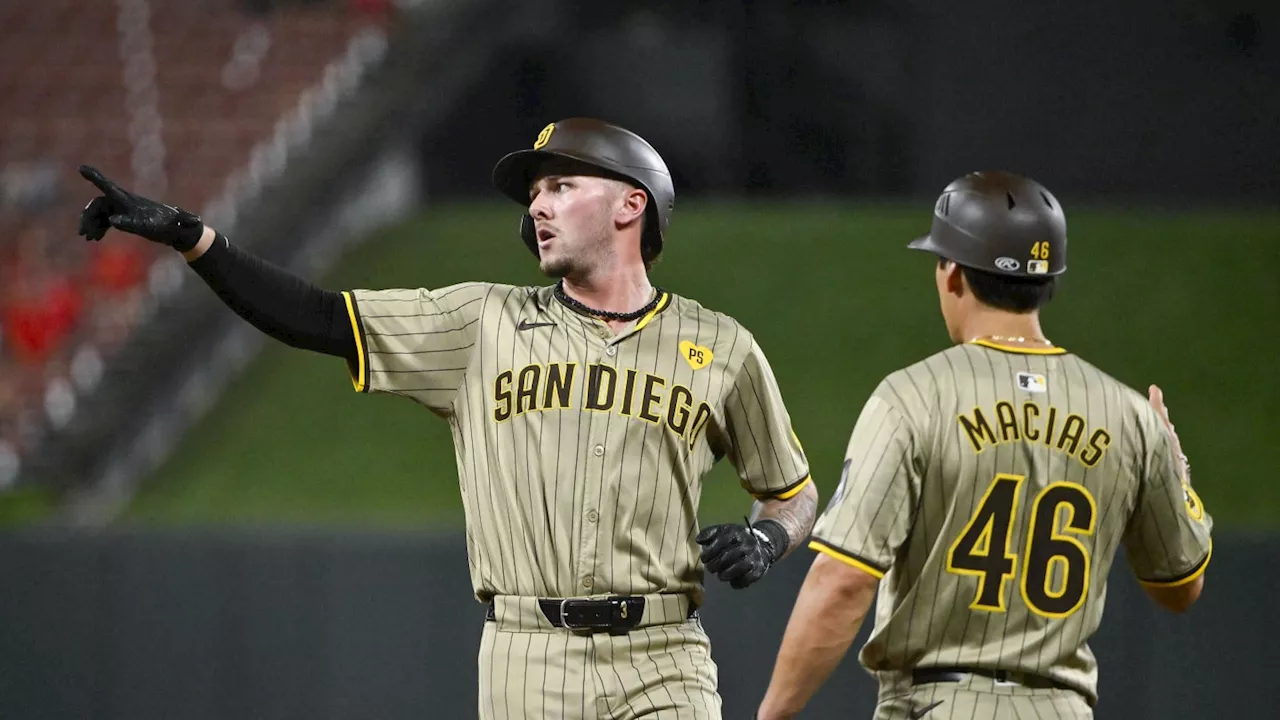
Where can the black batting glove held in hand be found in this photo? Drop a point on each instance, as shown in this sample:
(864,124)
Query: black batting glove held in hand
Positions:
(120,209)
(741,554)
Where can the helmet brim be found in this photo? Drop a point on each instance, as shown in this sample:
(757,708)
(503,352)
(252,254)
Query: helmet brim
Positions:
(924,242)
(515,173)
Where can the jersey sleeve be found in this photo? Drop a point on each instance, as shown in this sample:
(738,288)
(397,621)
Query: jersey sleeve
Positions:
(1168,540)
(762,446)
(414,342)
(869,516)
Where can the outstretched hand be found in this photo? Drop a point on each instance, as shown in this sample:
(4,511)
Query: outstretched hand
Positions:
(120,209)
(1156,397)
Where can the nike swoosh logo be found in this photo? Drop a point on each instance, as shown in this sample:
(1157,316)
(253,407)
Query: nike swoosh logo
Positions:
(526,325)
(917,714)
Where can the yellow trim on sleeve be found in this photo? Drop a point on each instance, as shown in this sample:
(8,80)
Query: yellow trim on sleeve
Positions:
(360,379)
(787,495)
(850,561)
(1184,580)
(662,305)
(1020,350)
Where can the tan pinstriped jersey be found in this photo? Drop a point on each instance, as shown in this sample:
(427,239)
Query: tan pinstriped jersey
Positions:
(991,487)
(580,453)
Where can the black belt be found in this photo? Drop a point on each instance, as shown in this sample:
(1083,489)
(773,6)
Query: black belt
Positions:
(617,615)
(924,676)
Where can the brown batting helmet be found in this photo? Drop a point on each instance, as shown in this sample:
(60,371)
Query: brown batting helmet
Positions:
(1001,223)
(612,151)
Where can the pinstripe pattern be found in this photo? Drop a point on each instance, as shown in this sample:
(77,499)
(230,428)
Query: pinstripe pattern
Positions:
(580,453)
(580,457)
(925,454)
(981,699)
(656,673)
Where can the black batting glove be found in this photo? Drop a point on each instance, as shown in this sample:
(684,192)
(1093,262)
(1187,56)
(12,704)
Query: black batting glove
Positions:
(741,554)
(120,209)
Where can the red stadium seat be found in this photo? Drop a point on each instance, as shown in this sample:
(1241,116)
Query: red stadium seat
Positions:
(59,109)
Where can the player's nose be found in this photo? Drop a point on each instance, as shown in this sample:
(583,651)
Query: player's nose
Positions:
(540,207)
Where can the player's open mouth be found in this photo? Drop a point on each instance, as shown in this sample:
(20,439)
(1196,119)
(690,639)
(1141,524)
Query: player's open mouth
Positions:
(545,234)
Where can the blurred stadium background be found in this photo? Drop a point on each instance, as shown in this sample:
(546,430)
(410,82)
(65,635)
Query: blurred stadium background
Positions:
(198,523)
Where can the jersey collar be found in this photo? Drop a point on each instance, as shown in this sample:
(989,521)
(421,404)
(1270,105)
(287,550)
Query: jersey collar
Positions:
(663,302)
(1018,350)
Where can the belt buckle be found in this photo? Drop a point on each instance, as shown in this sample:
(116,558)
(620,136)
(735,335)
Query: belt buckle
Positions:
(564,616)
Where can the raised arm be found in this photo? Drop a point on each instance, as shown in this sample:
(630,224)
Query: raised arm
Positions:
(278,303)
(1169,538)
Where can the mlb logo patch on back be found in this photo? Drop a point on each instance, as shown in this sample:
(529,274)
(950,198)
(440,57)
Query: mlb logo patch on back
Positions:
(1031,382)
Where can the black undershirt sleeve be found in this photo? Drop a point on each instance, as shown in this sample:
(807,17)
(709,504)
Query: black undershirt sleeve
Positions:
(278,303)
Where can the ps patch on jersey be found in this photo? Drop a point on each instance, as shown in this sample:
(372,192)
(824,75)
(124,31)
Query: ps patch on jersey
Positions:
(1031,382)
(697,356)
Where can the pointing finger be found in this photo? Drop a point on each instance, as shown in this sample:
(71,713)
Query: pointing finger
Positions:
(108,188)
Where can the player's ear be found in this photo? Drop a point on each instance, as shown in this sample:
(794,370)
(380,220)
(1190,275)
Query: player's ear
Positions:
(955,281)
(631,208)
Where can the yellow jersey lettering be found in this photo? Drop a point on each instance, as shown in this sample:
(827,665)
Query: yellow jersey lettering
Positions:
(602,381)
(1049,425)
(978,430)
(502,396)
(699,423)
(628,390)
(1069,438)
(1098,444)
(559,386)
(1072,429)
(554,386)
(1008,421)
(678,409)
(527,389)
(651,399)
(1030,413)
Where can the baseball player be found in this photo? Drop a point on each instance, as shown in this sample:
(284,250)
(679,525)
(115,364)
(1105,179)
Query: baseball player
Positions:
(986,491)
(584,416)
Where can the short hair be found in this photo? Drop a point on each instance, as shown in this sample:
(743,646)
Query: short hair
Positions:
(1008,292)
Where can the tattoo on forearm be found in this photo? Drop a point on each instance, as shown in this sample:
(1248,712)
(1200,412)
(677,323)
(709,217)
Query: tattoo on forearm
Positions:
(797,514)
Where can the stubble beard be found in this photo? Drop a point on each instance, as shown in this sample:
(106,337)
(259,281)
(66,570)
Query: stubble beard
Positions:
(556,269)
(580,260)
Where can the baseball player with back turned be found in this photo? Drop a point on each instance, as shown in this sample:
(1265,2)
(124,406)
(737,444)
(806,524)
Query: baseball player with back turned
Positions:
(986,491)
(584,416)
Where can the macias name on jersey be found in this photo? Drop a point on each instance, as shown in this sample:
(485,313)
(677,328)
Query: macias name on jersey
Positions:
(1033,424)
(630,393)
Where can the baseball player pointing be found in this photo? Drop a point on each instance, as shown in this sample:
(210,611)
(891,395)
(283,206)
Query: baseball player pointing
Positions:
(986,491)
(584,415)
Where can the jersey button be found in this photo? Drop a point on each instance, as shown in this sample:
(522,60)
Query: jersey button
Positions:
(587,582)
(599,450)
(611,351)
(592,516)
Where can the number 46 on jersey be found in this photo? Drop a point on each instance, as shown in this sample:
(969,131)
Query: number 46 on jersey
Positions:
(983,547)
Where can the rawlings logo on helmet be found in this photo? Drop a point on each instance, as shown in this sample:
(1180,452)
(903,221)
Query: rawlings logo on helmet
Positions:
(1007,263)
